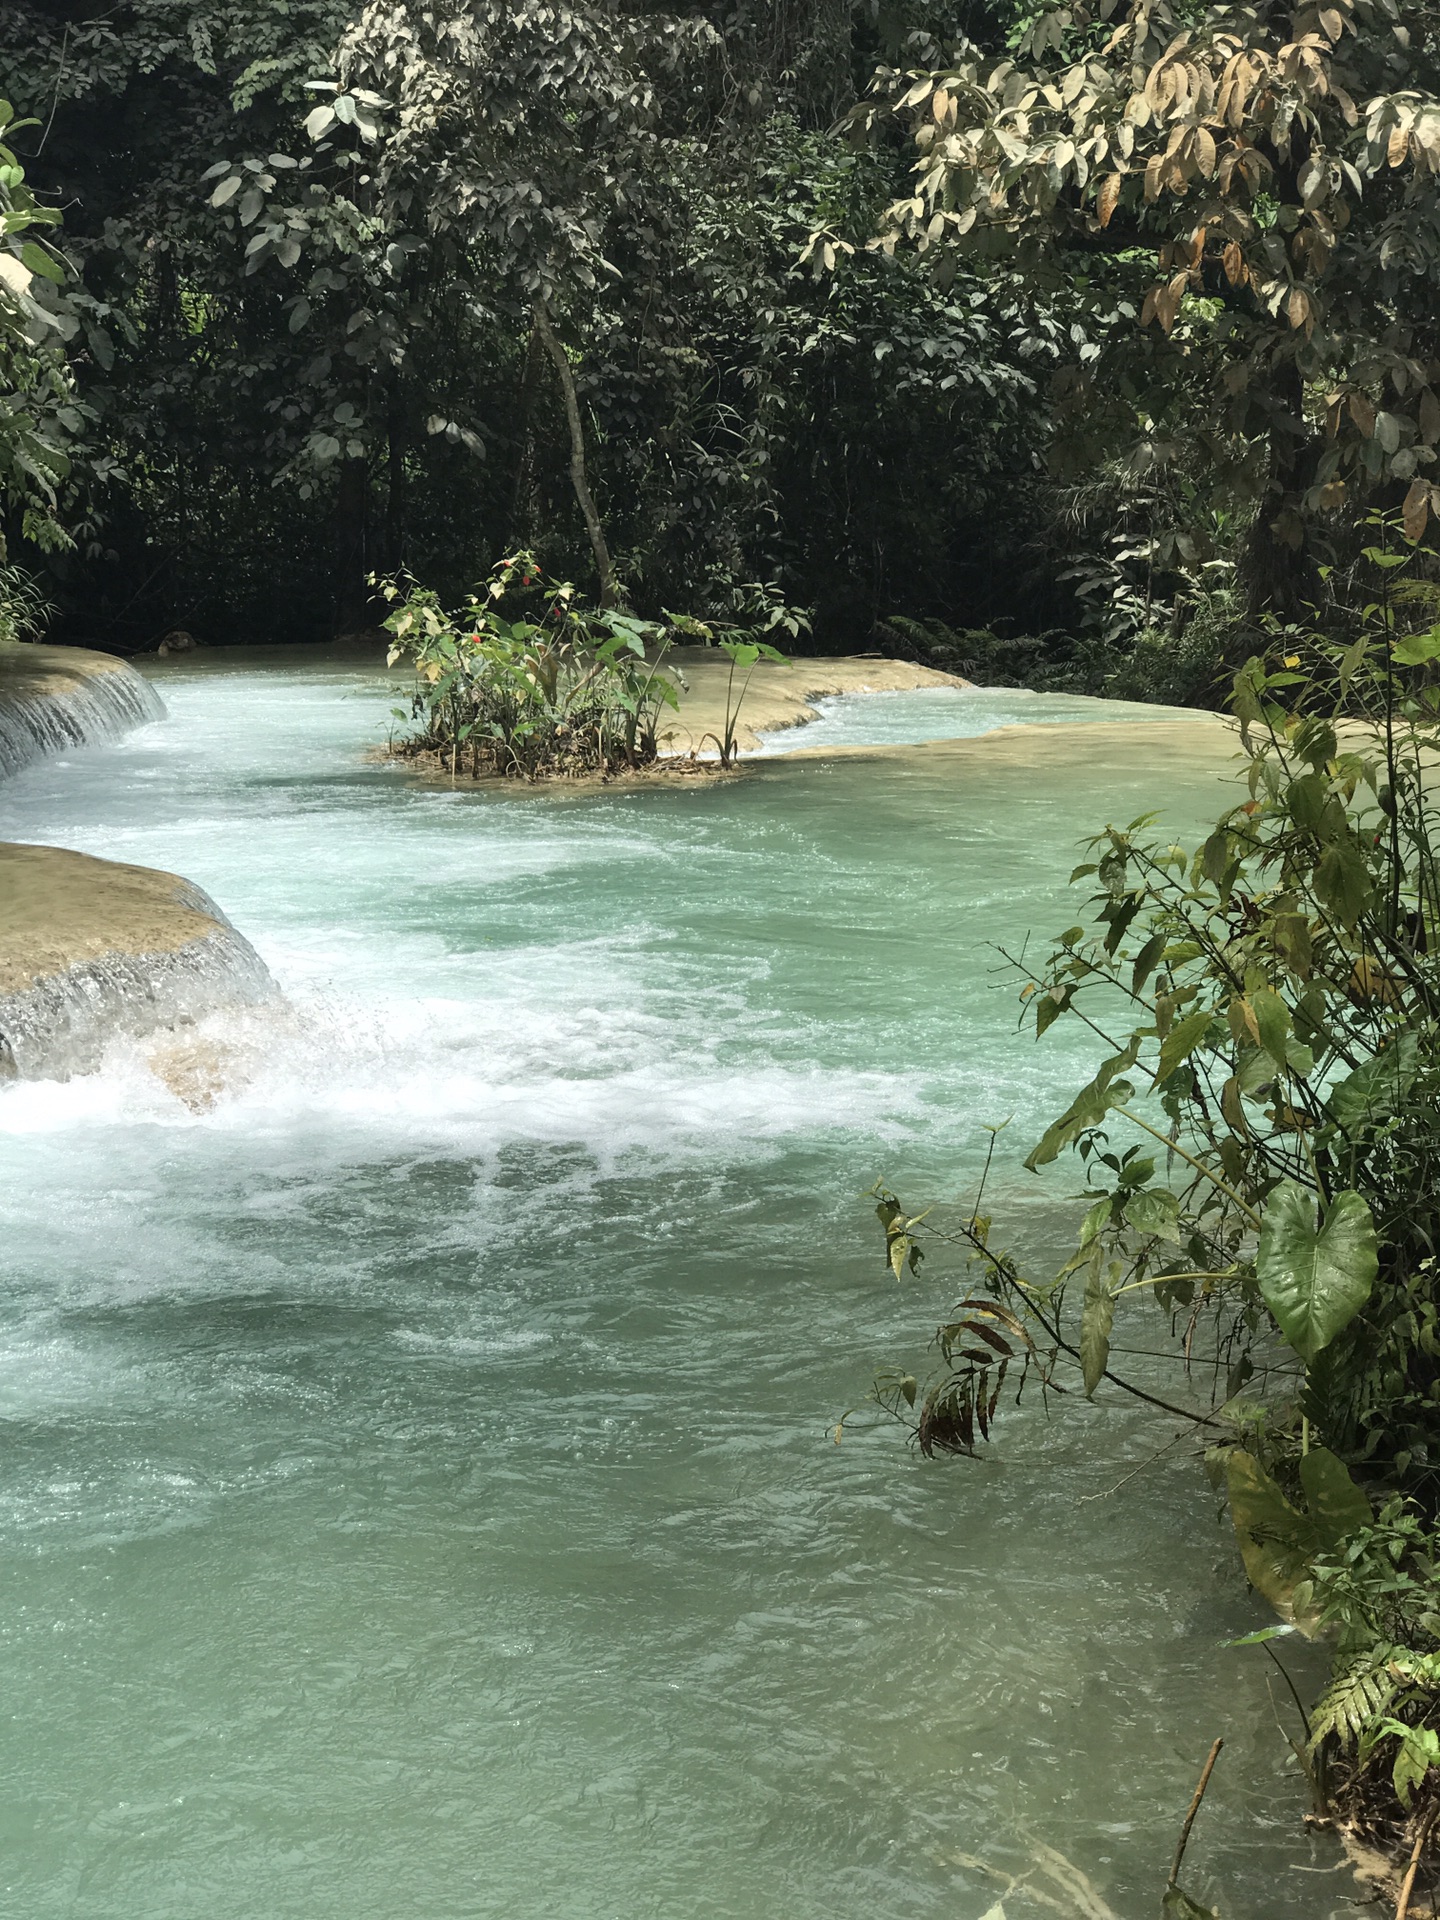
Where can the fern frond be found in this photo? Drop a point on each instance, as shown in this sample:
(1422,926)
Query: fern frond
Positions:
(1355,1700)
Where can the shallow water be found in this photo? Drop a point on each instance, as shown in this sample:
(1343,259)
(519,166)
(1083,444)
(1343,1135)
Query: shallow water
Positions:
(417,1497)
(919,714)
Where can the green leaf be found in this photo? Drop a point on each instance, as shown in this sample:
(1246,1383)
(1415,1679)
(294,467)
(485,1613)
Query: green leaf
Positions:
(1088,1108)
(41,262)
(1342,881)
(1047,1011)
(1272,1019)
(1416,649)
(1154,1210)
(1276,1541)
(1095,1323)
(1315,1281)
(1094,1220)
(1177,1905)
(1262,1634)
(1145,960)
(1337,1506)
(1374,1088)
(1182,1040)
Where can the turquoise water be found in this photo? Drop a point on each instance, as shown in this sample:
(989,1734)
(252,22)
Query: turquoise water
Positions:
(920,714)
(416,1495)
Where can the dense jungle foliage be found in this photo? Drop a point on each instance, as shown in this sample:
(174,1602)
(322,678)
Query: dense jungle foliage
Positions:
(1057,341)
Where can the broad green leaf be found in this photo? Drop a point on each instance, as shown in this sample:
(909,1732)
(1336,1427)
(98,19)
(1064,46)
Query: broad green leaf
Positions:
(1373,1089)
(1276,1541)
(39,261)
(1417,648)
(1336,1505)
(1095,1323)
(1315,1280)
(1154,1210)
(1182,1040)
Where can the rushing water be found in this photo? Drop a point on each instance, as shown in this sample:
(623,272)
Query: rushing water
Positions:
(416,1491)
(36,721)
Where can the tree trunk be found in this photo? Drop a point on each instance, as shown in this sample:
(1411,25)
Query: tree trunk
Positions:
(522,505)
(395,484)
(1277,566)
(577,454)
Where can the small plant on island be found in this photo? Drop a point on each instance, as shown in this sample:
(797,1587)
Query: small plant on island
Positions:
(525,680)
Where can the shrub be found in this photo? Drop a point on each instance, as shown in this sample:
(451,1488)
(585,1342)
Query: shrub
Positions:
(525,679)
(1261,1145)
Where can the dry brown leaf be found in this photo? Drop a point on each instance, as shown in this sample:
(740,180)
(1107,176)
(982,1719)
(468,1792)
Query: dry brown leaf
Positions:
(1108,197)
(1416,511)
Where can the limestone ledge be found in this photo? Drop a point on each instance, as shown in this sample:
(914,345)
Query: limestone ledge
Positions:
(776,697)
(54,699)
(92,951)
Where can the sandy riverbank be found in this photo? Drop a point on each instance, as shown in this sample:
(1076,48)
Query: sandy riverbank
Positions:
(777,696)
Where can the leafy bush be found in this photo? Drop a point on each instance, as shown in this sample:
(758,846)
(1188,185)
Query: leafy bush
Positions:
(24,610)
(1261,1145)
(524,679)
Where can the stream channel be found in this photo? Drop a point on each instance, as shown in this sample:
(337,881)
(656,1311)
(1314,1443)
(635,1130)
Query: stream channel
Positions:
(417,1494)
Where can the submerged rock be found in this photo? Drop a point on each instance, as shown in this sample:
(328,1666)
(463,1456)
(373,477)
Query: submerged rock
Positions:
(53,699)
(92,951)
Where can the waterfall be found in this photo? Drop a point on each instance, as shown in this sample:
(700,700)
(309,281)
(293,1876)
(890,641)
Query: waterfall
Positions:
(61,1021)
(53,699)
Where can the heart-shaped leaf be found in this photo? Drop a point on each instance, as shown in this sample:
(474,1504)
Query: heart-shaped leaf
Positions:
(1315,1279)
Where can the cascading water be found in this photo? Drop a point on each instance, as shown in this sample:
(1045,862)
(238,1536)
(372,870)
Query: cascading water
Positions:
(50,703)
(418,1496)
(63,1022)
(92,981)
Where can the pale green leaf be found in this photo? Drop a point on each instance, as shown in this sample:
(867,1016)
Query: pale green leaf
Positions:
(1315,1279)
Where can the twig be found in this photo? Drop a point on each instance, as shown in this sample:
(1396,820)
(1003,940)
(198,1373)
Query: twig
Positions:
(1194,1809)
(1408,1886)
(1157,1455)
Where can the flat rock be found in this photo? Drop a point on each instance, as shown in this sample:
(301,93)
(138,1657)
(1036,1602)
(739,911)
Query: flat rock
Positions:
(776,696)
(92,950)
